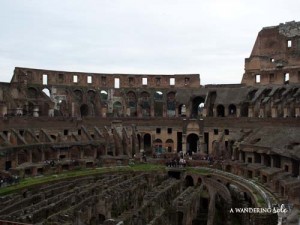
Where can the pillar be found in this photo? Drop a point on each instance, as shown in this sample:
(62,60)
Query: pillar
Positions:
(238,111)
(226,111)
(274,113)
(262,159)
(272,161)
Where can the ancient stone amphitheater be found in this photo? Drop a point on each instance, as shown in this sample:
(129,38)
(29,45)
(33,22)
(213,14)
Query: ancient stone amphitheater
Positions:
(240,142)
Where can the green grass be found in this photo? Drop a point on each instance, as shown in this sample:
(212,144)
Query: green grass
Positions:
(200,171)
(36,181)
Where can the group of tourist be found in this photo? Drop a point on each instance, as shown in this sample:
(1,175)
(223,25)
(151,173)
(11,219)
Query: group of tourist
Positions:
(177,162)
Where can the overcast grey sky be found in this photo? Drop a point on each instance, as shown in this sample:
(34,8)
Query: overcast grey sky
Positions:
(209,37)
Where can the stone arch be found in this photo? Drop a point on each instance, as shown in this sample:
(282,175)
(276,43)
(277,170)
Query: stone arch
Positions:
(78,95)
(232,110)
(196,106)
(192,143)
(199,181)
(132,104)
(158,96)
(117,109)
(169,145)
(32,92)
(220,111)
(189,181)
(103,95)
(171,104)
(84,110)
(91,94)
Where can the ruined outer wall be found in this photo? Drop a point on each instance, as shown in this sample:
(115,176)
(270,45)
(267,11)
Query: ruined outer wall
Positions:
(276,53)
(104,80)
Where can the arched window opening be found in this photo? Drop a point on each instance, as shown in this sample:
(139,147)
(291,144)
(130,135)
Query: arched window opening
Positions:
(78,95)
(91,94)
(220,111)
(158,95)
(197,101)
(232,110)
(103,95)
(32,92)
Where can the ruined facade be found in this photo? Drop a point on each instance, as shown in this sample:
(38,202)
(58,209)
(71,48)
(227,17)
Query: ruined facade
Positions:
(76,119)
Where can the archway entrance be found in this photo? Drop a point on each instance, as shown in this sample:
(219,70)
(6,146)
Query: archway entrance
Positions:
(192,143)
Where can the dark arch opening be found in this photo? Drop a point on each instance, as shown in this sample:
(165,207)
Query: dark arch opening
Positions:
(220,111)
(189,181)
(199,181)
(147,142)
(84,110)
(196,106)
(232,110)
(179,218)
(192,143)
(101,218)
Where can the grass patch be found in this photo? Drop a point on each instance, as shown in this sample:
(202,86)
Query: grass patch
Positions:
(36,181)
(200,171)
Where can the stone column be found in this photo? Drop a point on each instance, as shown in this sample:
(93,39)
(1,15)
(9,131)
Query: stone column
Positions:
(274,112)
(250,111)
(226,111)
(272,161)
(262,159)
(238,111)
